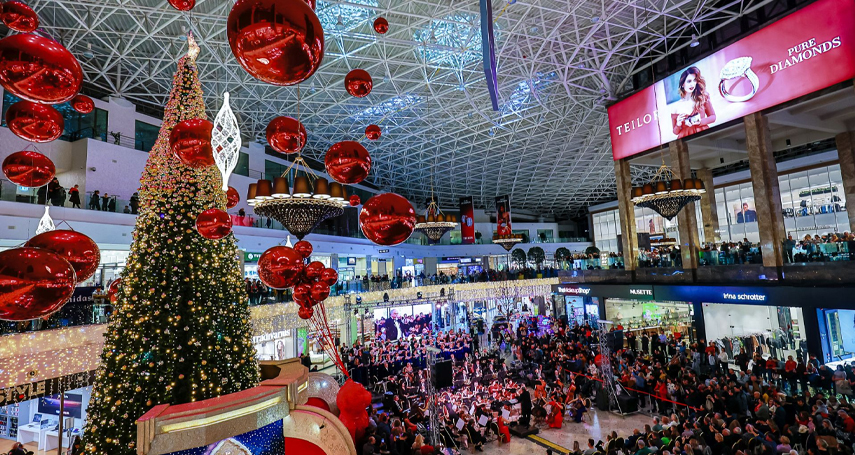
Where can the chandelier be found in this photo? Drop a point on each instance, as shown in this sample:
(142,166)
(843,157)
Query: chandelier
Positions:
(434,224)
(666,195)
(301,208)
(507,241)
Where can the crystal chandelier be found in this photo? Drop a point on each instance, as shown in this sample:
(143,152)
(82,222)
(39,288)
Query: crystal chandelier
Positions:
(507,241)
(666,195)
(434,224)
(301,208)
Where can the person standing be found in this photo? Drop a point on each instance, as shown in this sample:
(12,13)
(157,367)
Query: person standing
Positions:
(95,201)
(74,196)
(105,199)
(111,204)
(135,203)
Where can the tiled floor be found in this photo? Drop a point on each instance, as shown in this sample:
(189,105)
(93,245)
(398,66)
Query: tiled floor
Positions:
(600,424)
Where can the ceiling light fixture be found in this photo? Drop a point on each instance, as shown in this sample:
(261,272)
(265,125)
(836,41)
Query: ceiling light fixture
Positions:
(694,42)
(666,195)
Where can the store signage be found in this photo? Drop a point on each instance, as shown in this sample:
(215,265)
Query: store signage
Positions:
(251,256)
(82,294)
(574,290)
(641,292)
(258,339)
(24,392)
(744,296)
(382,251)
(806,51)
(351,261)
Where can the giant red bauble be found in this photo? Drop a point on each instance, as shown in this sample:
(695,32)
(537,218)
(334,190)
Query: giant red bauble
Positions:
(38,69)
(82,104)
(313,271)
(329,276)
(214,224)
(78,249)
(381,25)
(355,200)
(280,267)
(372,132)
(183,5)
(232,198)
(347,162)
(286,135)
(19,17)
(305,312)
(387,219)
(34,283)
(280,42)
(28,169)
(34,122)
(304,248)
(190,141)
(358,83)
(113,290)
(303,294)
(312,4)
(320,291)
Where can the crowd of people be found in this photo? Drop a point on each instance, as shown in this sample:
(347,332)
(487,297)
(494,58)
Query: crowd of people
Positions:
(703,402)
(58,196)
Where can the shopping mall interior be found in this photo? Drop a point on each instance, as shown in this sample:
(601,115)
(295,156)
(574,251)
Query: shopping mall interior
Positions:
(359,227)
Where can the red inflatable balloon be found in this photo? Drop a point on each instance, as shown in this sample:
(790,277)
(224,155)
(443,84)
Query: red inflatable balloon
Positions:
(358,83)
(34,122)
(381,25)
(355,200)
(232,198)
(304,248)
(318,403)
(113,290)
(19,17)
(34,283)
(78,249)
(190,141)
(280,42)
(312,4)
(82,104)
(286,135)
(214,224)
(183,5)
(29,169)
(348,162)
(353,401)
(38,69)
(329,276)
(313,270)
(305,312)
(387,219)
(303,294)
(280,267)
(320,291)
(372,132)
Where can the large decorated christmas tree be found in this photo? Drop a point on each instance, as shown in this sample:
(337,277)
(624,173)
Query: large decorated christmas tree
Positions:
(180,330)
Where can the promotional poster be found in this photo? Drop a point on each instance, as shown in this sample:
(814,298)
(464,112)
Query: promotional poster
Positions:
(467,220)
(503,215)
(806,51)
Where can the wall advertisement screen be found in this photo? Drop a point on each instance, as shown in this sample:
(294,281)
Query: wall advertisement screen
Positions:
(806,51)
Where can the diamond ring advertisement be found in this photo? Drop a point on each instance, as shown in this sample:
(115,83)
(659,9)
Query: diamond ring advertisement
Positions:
(735,69)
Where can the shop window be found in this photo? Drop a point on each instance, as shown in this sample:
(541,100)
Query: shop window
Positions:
(145,135)
(242,167)
(652,318)
(769,330)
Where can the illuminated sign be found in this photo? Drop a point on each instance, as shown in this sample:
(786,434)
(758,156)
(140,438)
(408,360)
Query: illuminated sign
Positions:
(44,387)
(641,292)
(807,51)
(744,296)
(574,290)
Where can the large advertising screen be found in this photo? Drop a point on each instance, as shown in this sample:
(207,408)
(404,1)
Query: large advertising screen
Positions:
(467,220)
(806,51)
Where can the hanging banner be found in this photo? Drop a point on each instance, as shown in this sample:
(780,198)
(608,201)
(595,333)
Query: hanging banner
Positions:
(809,50)
(467,220)
(503,215)
(488,46)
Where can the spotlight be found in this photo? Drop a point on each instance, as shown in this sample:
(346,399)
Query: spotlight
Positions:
(339,24)
(694,42)
(88,52)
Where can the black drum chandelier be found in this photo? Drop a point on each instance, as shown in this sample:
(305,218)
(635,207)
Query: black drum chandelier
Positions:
(666,195)
(301,208)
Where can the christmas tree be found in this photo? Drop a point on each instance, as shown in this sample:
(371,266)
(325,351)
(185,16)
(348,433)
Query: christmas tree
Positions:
(180,331)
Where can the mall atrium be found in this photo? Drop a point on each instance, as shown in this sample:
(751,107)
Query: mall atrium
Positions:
(359,227)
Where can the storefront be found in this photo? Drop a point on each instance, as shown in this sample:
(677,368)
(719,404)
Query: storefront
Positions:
(777,321)
(30,413)
(275,346)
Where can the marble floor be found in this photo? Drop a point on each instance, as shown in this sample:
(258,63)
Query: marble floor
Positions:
(600,424)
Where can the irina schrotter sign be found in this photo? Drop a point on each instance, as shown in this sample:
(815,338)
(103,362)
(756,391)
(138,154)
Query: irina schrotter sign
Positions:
(809,50)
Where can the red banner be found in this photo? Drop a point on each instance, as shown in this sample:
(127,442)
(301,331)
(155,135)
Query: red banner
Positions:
(503,215)
(806,51)
(467,220)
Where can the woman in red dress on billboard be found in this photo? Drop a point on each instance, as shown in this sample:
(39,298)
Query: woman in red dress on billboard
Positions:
(694,112)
